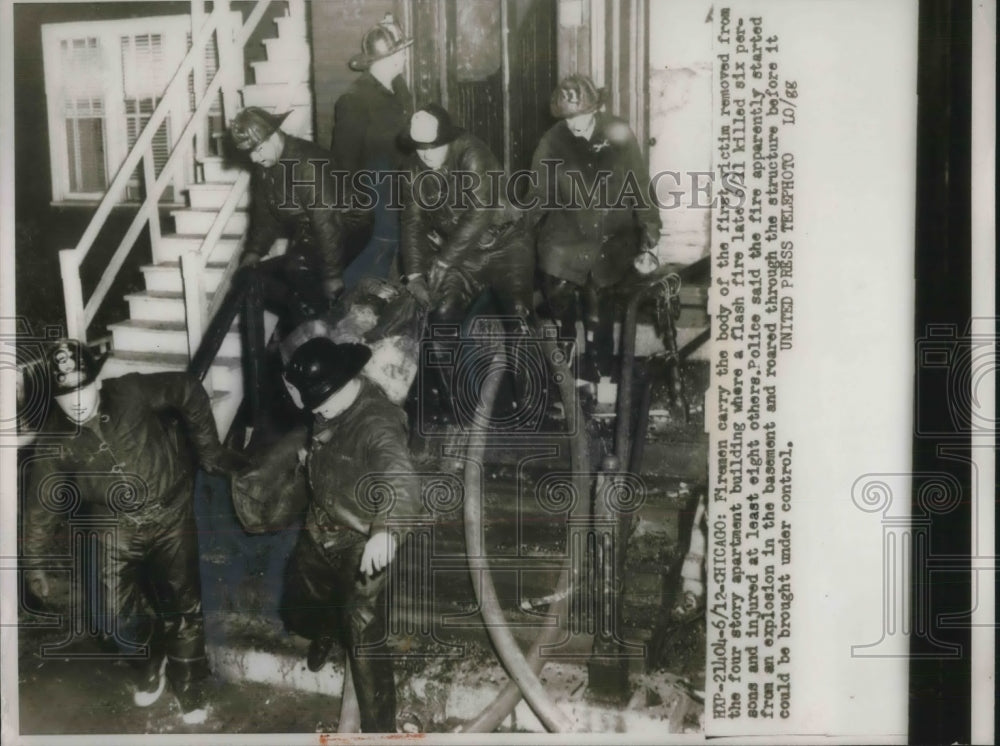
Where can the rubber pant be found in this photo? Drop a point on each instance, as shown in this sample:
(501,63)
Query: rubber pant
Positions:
(326,594)
(151,572)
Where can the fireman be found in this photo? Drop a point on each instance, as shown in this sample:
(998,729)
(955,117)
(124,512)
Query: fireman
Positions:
(123,457)
(587,245)
(360,476)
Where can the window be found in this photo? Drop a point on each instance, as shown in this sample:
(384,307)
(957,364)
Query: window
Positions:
(103,80)
(83,113)
(144,77)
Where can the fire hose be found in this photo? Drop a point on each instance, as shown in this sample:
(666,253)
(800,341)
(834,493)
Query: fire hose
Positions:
(669,286)
(522,668)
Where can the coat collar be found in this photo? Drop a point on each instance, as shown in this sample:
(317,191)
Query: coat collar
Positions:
(598,139)
(369,81)
(323,429)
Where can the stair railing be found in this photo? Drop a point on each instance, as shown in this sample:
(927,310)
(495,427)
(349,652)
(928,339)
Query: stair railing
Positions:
(80,312)
(199,312)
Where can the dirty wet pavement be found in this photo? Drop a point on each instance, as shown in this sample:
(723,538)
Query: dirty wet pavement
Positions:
(93,696)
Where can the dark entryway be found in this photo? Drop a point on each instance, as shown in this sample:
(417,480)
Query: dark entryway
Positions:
(497,89)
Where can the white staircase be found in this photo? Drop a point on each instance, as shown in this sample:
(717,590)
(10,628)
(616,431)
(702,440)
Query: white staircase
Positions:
(155,336)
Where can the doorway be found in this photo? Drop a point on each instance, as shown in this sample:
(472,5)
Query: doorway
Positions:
(496,86)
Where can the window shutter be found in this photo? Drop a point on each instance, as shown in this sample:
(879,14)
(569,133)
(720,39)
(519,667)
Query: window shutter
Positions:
(83,110)
(144,78)
(211,61)
(145,73)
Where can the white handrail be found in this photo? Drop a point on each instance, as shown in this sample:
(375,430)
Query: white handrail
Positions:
(145,139)
(194,292)
(78,315)
(213,235)
(151,204)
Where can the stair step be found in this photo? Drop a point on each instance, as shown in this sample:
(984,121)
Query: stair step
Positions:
(157,305)
(164,337)
(153,362)
(289,48)
(291,27)
(285,72)
(693,316)
(218,169)
(191,221)
(687,333)
(275,95)
(225,372)
(170,247)
(213,194)
(166,276)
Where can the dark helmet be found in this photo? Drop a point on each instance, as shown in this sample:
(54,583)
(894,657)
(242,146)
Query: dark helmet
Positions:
(71,366)
(253,125)
(575,95)
(381,41)
(321,367)
(429,127)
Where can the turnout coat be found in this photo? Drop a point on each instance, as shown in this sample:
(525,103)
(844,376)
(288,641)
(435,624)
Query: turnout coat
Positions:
(311,210)
(133,464)
(132,442)
(581,237)
(359,472)
(462,222)
(366,120)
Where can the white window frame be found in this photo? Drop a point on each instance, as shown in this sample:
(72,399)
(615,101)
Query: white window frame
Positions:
(174,31)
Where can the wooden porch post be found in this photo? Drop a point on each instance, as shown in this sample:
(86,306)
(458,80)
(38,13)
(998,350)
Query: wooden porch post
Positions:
(198,17)
(195,310)
(230,62)
(149,179)
(76,321)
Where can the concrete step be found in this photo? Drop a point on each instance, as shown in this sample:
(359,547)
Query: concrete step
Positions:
(647,342)
(212,195)
(442,692)
(286,48)
(171,247)
(156,305)
(226,372)
(191,221)
(217,169)
(664,455)
(283,71)
(275,94)
(166,276)
(164,337)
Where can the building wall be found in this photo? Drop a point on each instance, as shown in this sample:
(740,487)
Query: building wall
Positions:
(680,110)
(336,30)
(679,98)
(42,229)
